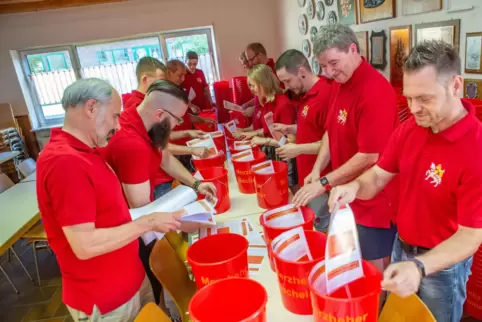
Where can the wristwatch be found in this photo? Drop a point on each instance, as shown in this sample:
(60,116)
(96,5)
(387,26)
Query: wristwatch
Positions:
(324,182)
(196,185)
(419,264)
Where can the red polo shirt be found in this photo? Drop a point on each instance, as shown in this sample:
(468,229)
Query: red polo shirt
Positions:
(197,81)
(132,155)
(362,118)
(76,186)
(271,63)
(133,100)
(313,110)
(284,112)
(440,179)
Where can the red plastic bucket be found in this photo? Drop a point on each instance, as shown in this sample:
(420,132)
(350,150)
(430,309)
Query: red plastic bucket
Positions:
(360,305)
(473,305)
(207,127)
(220,142)
(271,233)
(219,177)
(243,121)
(230,300)
(272,189)
(216,161)
(218,256)
(293,276)
(244,176)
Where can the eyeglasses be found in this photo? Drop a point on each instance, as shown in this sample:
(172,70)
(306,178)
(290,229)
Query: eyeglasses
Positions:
(179,120)
(251,59)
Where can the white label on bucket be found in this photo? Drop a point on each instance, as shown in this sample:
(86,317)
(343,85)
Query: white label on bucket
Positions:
(246,155)
(206,142)
(242,145)
(286,216)
(216,134)
(292,245)
(343,254)
(231,126)
(317,278)
(263,167)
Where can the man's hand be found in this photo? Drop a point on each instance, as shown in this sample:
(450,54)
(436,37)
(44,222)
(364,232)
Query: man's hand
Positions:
(194,134)
(402,278)
(164,222)
(307,193)
(258,141)
(208,120)
(194,108)
(312,177)
(288,151)
(239,134)
(343,194)
(200,151)
(282,128)
(248,112)
(208,189)
(249,135)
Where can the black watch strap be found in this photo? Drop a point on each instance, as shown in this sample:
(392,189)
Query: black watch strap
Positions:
(419,265)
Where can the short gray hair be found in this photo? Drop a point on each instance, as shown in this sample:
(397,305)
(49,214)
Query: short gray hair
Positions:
(334,36)
(79,92)
(437,53)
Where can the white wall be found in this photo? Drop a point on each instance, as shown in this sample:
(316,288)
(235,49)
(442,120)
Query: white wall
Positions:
(236,23)
(471,21)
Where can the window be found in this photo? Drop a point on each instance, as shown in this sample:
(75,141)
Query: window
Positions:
(49,71)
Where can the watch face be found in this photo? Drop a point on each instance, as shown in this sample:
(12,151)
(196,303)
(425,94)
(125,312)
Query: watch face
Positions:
(324,181)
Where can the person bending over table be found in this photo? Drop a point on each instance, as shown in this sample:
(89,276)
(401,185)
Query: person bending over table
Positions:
(85,215)
(436,155)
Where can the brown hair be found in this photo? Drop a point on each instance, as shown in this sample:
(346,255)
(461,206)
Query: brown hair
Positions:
(148,65)
(264,77)
(435,53)
(257,48)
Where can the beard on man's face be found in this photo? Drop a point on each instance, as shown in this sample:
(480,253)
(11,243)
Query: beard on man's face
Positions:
(159,133)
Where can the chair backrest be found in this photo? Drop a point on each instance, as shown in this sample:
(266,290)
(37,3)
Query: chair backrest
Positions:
(5,182)
(152,313)
(173,275)
(399,309)
(27,167)
(241,92)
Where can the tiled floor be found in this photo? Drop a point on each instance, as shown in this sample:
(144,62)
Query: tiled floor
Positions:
(37,303)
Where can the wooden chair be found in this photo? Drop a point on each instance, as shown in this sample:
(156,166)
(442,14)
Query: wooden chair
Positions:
(407,309)
(179,244)
(38,238)
(173,275)
(27,167)
(152,313)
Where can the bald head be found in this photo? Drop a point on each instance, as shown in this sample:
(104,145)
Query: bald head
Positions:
(176,71)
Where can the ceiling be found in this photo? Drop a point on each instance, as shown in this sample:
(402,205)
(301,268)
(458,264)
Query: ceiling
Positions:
(14,6)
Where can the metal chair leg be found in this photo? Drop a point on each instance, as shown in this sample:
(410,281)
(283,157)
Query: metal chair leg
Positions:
(34,247)
(21,264)
(9,280)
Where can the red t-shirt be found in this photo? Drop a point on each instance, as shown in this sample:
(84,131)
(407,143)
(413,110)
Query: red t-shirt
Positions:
(132,155)
(197,81)
(284,112)
(440,179)
(362,118)
(76,186)
(133,100)
(271,63)
(256,118)
(313,111)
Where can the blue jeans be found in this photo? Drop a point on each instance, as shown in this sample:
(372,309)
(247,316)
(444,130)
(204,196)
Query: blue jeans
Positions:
(443,293)
(161,189)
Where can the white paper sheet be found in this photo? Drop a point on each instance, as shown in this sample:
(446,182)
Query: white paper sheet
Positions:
(242,145)
(198,176)
(216,134)
(263,167)
(343,253)
(246,155)
(201,211)
(206,142)
(317,277)
(292,245)
(233,107)
(275,134)
(192,95)
(231,127)
(285,216)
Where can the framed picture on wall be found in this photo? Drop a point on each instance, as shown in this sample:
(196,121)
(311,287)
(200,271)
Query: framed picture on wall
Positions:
(473,88)
(448,31)
(362,37)
(347,12)
(411,7)
(473,50)
(400,45)
(372,10)
(378,41)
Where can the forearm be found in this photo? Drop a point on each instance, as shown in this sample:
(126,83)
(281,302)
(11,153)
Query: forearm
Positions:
(463,244)
(369,184)
(176,170)
(292,129)
(248,104)
(207,93)
(309,148)
(175,149)
(352,168)
(323,158)
(177,135)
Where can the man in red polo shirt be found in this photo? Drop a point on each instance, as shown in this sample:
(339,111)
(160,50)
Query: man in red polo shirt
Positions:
(294,71)
(362,118)
(256,54)
(138,156)
(84,212)
(196,80)
(437,156)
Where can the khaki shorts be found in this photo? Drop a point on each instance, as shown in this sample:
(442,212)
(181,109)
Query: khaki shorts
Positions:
(124,313)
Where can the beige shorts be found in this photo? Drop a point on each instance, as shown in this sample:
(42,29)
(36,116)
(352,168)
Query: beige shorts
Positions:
(124,313)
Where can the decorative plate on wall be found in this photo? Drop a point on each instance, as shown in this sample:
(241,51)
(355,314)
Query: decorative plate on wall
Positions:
(303,24)
(320,10)
(315,66)
(301,3)
(332,17)
(306,47)
(329,2)
(313,31)
(310,10)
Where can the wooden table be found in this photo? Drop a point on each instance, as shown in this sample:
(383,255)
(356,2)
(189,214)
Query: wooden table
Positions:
(7,156)
(19,212)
